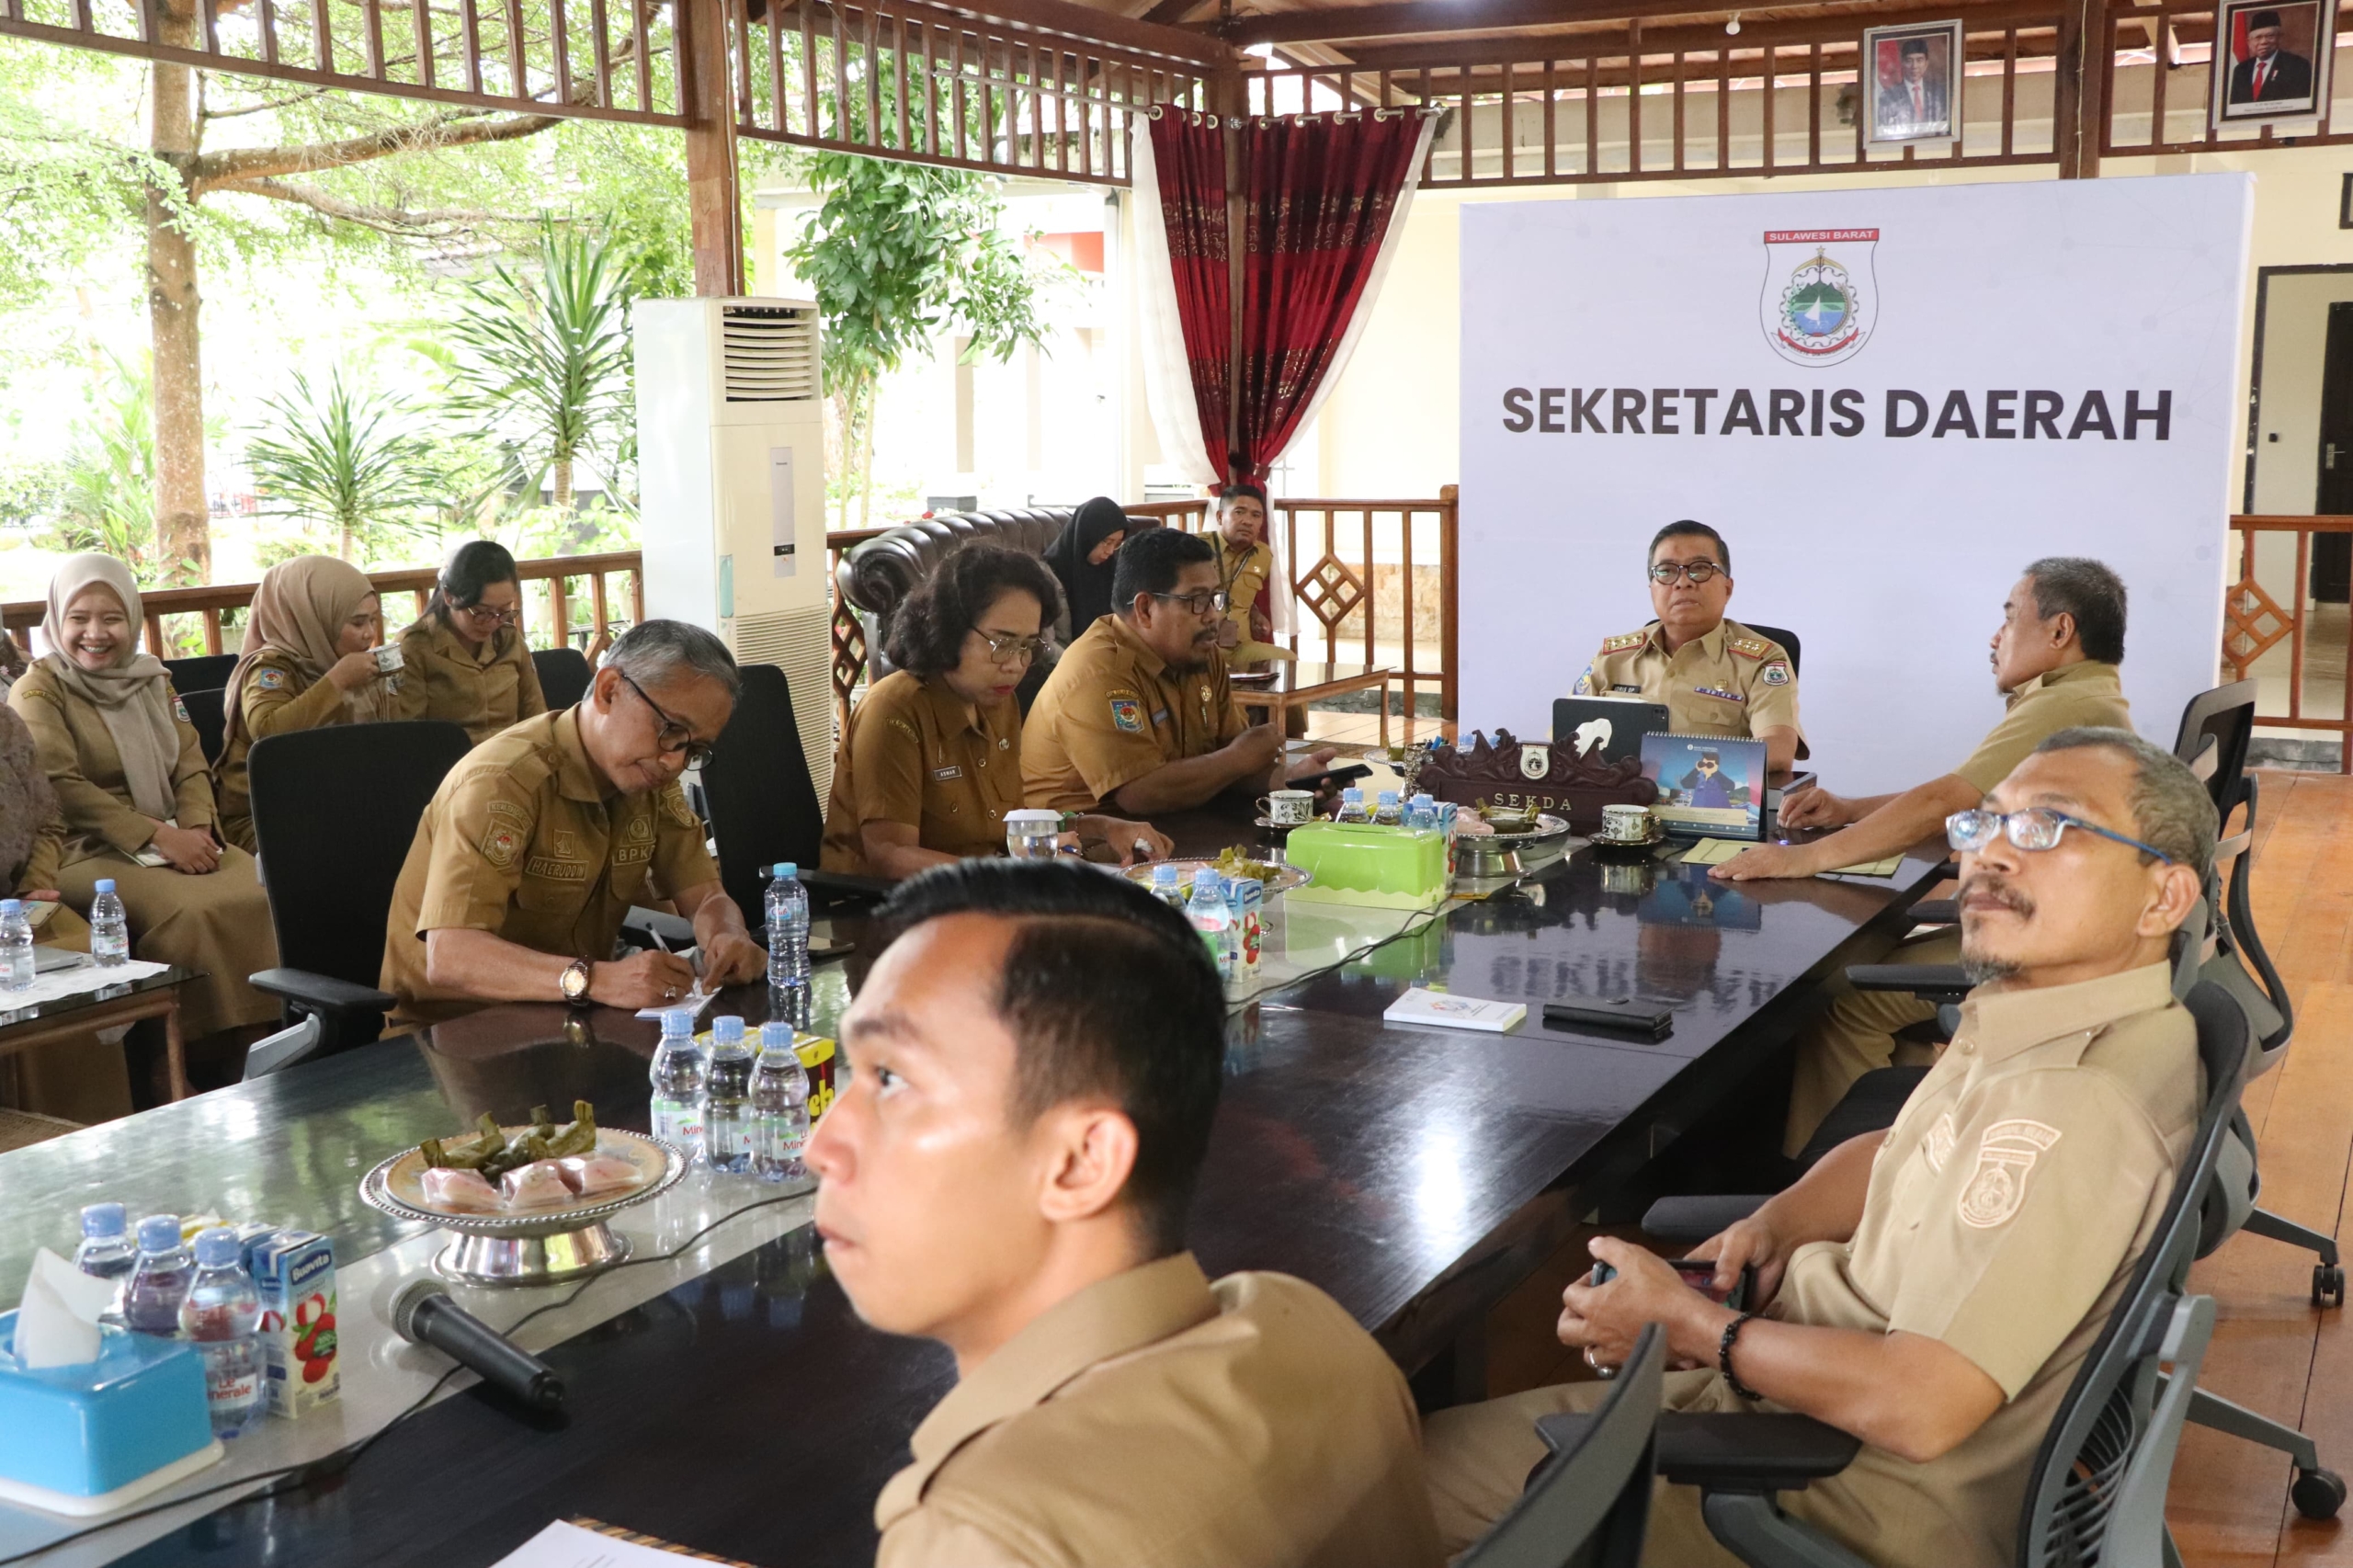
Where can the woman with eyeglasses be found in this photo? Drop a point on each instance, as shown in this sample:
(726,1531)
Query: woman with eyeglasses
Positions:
(308,661)
(930,761)
(464,659)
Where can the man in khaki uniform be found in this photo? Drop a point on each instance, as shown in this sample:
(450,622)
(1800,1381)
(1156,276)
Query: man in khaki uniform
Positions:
(1716,677)
(1009,1173)
(1138,717)
(1934,1289)
(2055,659)
(536,846)
(1246,563)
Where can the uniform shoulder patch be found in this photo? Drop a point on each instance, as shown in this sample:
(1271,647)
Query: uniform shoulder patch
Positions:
(2005,1154)
(1748,647)
(268,679)
(674,807)
(500,843)
(180,709)
(1126,715)
(1775,674)
(905,728)
(1624,641)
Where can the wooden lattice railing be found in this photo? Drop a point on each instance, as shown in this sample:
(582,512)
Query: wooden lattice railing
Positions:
(2254,622)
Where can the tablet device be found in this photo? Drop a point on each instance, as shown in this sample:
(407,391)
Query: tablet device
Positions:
(1609,729)
(1709,787)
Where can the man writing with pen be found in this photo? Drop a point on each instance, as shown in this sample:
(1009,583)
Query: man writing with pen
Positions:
(536,846)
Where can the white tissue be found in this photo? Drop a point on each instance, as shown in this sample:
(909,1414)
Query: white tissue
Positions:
(57,1322)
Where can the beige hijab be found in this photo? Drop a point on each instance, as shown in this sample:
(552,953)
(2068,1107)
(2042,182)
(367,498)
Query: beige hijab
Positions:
(130,695)
(298,612)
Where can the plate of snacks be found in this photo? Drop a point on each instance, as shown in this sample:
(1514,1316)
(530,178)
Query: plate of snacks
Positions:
(1231,862)
(538,1177)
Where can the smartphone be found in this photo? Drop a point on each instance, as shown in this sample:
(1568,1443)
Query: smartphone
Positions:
(1625,1014)
(1696,1272)
(1333,780)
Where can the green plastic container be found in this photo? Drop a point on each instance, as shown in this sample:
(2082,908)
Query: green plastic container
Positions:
(1394,868)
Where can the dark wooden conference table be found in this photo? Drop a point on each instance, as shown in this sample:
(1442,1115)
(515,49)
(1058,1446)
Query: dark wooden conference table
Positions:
(1417,1175)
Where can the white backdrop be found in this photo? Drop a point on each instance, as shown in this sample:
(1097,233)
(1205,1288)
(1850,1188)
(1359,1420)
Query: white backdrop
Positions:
(2079,301)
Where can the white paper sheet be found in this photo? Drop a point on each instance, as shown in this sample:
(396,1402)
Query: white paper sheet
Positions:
(57,984)
(568,1546)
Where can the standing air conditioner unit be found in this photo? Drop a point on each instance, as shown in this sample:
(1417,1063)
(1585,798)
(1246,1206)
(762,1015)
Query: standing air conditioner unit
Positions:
(731,475)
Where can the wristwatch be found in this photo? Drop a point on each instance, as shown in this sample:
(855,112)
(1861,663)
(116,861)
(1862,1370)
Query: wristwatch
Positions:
(574,983)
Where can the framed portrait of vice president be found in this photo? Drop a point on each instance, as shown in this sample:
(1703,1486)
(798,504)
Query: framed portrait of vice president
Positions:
(2271,60)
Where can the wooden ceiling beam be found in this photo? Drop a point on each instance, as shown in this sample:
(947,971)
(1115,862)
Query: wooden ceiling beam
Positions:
(1401,19)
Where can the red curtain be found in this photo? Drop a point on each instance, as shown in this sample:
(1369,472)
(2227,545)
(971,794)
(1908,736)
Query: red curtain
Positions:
(1318,194)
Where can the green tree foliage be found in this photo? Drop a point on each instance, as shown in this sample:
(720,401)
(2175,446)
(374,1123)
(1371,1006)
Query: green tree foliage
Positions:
(897,255)
(106,500)
(341,459)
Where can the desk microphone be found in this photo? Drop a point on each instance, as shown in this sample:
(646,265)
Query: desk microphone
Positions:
(423,1314)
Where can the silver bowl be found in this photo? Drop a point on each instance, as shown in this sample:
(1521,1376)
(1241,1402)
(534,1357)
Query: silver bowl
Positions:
(1508,854)
(528,1249)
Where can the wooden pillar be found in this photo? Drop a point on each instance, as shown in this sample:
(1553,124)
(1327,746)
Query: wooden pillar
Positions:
(714,204)
(2079,98)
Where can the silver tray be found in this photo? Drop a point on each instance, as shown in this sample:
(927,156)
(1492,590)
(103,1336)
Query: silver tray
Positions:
(1508,854)
(538,1248)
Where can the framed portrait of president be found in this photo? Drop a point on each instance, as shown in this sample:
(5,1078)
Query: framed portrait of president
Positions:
(2271,60)
(1911,82)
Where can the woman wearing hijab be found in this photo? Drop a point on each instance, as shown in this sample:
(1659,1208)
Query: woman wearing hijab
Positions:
(1081,558)
(465,658)
(307,662)
(131,781)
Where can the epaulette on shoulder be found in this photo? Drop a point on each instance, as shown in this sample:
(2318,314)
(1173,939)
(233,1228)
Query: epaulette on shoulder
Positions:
(1624,641)
(1749,647)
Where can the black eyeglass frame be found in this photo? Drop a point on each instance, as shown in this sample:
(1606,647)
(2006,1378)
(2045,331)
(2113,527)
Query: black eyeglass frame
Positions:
(697,752)
(2003,823)
(1216,601)
(1698,571)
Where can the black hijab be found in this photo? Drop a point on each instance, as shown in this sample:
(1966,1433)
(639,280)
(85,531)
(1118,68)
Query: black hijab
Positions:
(1088,588)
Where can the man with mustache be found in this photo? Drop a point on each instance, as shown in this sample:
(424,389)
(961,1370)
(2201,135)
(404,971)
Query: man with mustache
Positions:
(1138,717)
(2055,659)
(1933,1288)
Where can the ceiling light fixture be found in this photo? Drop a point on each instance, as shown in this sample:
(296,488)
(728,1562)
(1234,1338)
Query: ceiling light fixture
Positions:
(1732,28)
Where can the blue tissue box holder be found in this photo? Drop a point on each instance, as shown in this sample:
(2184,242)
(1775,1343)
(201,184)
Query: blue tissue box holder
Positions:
(71,1436)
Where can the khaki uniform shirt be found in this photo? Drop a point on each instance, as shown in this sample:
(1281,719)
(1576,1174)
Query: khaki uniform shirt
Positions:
(483,692)
(1729,681)
(1242,574)
(70,737)
(279,700)
(2086,693)
(1112,711)
(1154,1420)
(910,755)
(2007,1208)
(525,839)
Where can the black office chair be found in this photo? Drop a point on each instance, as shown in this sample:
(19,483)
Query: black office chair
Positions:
(1588,1503)
(206,672)
(205,711)
(1786,639)
(2096,1494)
(563,675)
(335,812)
(764,805)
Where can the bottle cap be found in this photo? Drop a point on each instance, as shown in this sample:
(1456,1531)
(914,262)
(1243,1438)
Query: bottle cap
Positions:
(1389,797)
(103,1220)
(1423,797)
(106,884)
(728,1031)
(1208,880)
(677,1021)
(776,1035)
(10,906)
(1353,795)
(1164,872)
(217,1246)
(159,1233)
(1035,816)
(785,869)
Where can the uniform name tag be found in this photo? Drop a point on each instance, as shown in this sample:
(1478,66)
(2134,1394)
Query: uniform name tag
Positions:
(1718,696)
(1621,686)
(548,869)
(944,774)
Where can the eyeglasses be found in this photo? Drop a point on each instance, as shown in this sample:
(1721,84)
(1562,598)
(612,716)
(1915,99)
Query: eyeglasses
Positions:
(2036,829)
(1698,572)
(1207,601)
(484,613)
(673,737)
(1008,649)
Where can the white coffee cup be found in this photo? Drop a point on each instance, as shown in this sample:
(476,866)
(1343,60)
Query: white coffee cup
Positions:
(1288,808)
(1626,825)
(389,659)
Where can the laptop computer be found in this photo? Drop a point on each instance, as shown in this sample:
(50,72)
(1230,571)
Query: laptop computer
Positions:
(1610,728)
(1709,786)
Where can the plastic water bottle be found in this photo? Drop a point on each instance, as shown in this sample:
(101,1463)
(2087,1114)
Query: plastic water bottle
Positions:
(221,1314)
(15,947)
(676,1075)
(787,931)
(1352,806)
(110,927)
(1421,813)
(1167,887)
(1386,810)
(727,1098)
(106,1250)
(779,1107)
(160,1278)
(1210,917)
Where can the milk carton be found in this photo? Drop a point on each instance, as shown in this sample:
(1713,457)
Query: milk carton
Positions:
(294,1271)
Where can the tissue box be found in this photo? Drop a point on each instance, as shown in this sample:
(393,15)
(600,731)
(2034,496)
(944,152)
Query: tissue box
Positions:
(85,1432)
(1395,868)
(294,1273)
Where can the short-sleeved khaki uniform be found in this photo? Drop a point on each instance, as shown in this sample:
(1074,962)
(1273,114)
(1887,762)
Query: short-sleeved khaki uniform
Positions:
(2006,1209)
(1113,711)
(914,753)
(217,923)
(1727,681)
(1156,1418)
(483,692)
(1858,1031)
(525,839)
(279,700)
(1244,575)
